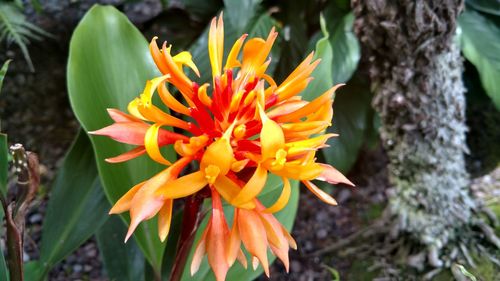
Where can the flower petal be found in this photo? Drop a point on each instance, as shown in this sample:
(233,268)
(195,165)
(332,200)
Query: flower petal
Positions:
(333,176)
(123,204)
(323,196)
(152,147)
(183,186)
(252,188)
(165,219)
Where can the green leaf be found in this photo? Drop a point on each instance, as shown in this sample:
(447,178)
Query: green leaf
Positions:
(240,12)
(123,262)
(77,205)
(237,272)
(352,120)
(4,271)
(346,50)
(480,40)
(323,72)
(3,72)
(109,64)
(485,6)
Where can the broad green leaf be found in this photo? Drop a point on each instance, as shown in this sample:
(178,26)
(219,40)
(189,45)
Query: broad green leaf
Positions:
(237,272)
(352,120)
(240,12)
(77,205)
(485,6)
(109,64)
(480,40)
(3,72)
(346,50)
(122,262)
(323,77)
(202,8)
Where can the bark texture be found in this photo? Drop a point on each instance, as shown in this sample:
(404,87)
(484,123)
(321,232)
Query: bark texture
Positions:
(415,69)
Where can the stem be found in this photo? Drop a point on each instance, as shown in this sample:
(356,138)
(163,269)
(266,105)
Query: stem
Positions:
(190,222)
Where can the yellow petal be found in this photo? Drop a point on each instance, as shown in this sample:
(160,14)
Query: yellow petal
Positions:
(283,199)
(216,45)
(228,189)
(252,188)
(232,58)
(220,154)
(164,219)
(172,102)
(151,144)
(183,186)
(323,196)
(185,58)
(271,136)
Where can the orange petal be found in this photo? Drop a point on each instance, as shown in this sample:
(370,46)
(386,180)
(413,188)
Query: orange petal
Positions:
(183,186)
(217,240)
(165,219)
(123,204)
(216,45)
(253,235)
(232,58)
(333,176)
(199,252)
(136,152)
(172,102)
(323,196)
(252,188)
(234,243)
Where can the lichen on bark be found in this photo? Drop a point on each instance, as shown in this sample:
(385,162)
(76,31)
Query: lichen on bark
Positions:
(415,69)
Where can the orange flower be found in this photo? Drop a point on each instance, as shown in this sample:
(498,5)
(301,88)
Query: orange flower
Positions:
(240,127)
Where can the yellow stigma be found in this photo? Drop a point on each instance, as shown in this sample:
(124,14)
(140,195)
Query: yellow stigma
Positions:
(280,159)
(211,173)
(239,131)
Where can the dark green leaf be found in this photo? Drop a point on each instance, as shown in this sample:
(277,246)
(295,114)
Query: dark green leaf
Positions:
(485,6)
(352,115)
(122,262)
(480,40)
(3,72)
(237,272)
(109,64)
(77,205)
(351,108)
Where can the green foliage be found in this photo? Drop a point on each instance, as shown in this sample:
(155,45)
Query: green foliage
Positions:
(15,28)
(485,6)
(77,206)
(3,72)
(122,262)
(480,42)
(108,66)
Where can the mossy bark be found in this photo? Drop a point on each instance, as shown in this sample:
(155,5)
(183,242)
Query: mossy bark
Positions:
(415,69)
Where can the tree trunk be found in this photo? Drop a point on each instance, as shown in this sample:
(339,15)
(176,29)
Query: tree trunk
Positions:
(415,69)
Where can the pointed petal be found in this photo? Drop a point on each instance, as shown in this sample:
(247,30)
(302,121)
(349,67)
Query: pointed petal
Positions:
(121,117)
(136,152)
(228,189)
(234,243)
(271,136)
(333,176)
(165,219)
(129,132)
(185,58)
(199,252)
(123,204)
(217,240)
(253,235)
(323,196)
